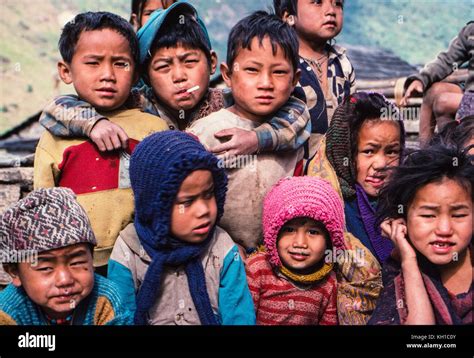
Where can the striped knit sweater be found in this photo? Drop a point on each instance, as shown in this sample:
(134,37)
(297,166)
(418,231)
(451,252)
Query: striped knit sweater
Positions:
(105,306)
(280,302)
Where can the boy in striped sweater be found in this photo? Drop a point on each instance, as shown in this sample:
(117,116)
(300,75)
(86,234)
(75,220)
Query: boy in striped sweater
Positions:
(290,280)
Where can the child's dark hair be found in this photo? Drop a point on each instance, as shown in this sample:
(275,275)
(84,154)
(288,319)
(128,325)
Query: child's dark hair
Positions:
(91,21)
(372,106)
(456,134)
(280,6)
(289,6)
(259,25)
(420,168)
(181,29)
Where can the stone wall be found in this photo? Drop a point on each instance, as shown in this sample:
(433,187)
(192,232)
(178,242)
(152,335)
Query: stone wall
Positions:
(15,183)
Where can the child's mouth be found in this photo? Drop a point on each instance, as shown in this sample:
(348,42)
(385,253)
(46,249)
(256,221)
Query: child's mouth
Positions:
(442,247)
(264,99)
(107,92)
(298,256)
(202,229)
(376,182)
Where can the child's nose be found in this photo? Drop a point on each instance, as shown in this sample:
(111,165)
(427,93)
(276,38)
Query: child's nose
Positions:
(265,81)
(64,277)
(300,240)
(329,7)
(179,74)
(444,227)
(202,208)
(108,73)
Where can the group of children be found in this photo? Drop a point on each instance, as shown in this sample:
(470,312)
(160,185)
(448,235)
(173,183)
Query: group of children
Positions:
(286,199)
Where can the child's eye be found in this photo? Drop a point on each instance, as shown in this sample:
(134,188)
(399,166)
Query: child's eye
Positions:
(44,269)
(209,195)
(393,152)
(78,263)
(251,69)
(459,215)
(191,61)
(92,63)
(340,4)
(427,216)
(287,229)
(314,232)
(368,151)
(280,72)
(122,64)
(161,67)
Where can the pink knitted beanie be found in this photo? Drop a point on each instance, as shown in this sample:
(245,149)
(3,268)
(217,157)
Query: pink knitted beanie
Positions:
(295,197)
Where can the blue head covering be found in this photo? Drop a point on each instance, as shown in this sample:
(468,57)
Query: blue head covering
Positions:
(146,35)
(158,166)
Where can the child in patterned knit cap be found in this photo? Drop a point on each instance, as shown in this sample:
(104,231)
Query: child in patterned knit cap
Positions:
(291,281)
(46,245)
(182,267)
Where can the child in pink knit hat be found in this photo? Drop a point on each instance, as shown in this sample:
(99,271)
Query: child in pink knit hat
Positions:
(290,280)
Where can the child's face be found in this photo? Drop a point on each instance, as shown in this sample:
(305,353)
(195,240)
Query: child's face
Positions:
(378,146)
(439,221)
(261,81)
(61,279)
(194,212)
(319,20)
(172,71)
(102,69)
(301,244)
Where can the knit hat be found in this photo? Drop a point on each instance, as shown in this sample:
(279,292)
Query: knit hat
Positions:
(296,197)
(339,139)
(46,219)
(146,35)
(158,166)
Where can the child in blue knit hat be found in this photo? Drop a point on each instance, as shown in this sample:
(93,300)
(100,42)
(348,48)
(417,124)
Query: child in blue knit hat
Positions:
(182,268)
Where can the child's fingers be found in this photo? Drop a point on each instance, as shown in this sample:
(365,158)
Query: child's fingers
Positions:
(386,227)
(123,137)
(100,144)
(225,133)
(116,141)
(223,147)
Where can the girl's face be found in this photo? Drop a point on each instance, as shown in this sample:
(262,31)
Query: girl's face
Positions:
(378,146)
(194,212)
(301,244)
(439,221)
(319,20)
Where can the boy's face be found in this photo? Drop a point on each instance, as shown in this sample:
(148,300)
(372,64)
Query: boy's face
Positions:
(174,70)
(261,81)
(439,221)
(301,244)
(61,279)
(194,212)
(378,147)
(319,20)
(102,69)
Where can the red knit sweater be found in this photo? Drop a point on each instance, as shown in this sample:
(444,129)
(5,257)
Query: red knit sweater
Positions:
(279,302)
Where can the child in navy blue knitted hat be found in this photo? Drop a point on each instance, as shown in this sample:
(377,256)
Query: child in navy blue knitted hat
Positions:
(181,266)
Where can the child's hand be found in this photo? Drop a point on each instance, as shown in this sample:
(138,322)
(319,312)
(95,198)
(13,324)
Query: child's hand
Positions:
(415,87)
(108,136)
(396,230)
(241,142)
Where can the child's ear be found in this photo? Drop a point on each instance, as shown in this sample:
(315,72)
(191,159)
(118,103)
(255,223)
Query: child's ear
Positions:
(12,270)
(296,77)
(226,73)
(64,71)
(213,61)
(134,21)
(289,19)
